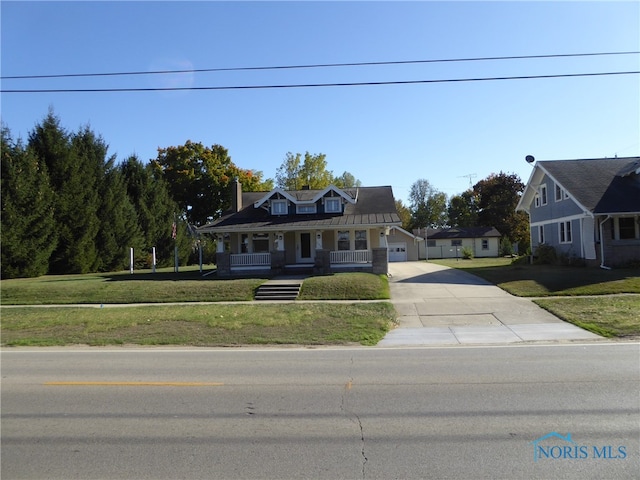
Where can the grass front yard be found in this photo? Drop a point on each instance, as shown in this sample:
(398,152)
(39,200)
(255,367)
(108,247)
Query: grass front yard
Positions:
(606,302)
(197,325)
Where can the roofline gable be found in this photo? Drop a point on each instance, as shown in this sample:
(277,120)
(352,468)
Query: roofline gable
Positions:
(529,191)
(270,194)
(315,198)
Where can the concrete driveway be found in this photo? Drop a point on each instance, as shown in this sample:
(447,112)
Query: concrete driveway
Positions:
(443,306)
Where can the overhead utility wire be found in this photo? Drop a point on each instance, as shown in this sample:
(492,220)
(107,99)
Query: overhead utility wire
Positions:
(320,65)
(310,85)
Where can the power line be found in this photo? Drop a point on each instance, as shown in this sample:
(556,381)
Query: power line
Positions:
(311,85)
(319,65)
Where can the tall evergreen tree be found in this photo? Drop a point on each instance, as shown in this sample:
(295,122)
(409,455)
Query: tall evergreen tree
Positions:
(75,197)
(27,220)
(156,212)
(119,228)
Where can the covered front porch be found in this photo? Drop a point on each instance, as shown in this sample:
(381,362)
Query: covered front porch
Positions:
(320,251)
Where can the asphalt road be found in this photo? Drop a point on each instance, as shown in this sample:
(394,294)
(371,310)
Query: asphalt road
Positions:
(460,412)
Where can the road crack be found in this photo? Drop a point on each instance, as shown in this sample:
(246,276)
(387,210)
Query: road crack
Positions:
(355,418)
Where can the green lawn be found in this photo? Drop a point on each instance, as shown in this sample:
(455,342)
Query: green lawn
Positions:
(199,325)
(346,286)
(121,287)
(549,280)
(592,298)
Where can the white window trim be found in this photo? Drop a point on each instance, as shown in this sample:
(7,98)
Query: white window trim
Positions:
(313,207)
(544,198)
(559,193)
(567,238)
(279,202)
(540,234)
(330,201)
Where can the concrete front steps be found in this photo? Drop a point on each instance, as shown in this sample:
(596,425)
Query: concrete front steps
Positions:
(279,289)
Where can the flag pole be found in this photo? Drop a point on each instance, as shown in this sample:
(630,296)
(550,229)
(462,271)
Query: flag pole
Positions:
(174,234)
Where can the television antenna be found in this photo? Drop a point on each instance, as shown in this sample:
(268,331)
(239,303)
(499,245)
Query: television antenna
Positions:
(469,176)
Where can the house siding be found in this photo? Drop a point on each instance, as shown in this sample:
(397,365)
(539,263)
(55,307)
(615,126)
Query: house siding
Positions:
(444,249)
(396,236)
(566,207)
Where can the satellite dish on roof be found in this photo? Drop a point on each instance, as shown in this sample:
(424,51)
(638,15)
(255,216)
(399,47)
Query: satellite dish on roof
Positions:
(530,158)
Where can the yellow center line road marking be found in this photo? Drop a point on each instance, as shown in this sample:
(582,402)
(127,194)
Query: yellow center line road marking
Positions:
(133,384)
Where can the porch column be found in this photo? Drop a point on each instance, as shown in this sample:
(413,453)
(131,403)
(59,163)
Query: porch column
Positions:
(318,239)
(277,255)
(383,237)
(279,241)
(220,243)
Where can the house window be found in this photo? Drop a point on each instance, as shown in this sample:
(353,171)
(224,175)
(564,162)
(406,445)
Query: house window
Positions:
(361,240)
(431,243)
(332,205)
(485,244)
(306,208)
(627,228)
(543,194)
(343,240)
(560,194)
(540,233)
(260,242)
(279,207)
(565,232)
(456,243)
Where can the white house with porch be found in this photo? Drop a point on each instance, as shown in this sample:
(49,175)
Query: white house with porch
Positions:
(324,230)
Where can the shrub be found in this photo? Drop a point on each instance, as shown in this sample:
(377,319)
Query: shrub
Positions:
(506,248)
(467,253)
(545,254)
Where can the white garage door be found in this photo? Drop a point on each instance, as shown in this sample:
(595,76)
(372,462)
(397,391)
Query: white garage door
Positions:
(397,252)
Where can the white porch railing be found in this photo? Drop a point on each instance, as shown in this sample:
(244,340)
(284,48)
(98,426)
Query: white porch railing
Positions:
(350,256)
(260,260)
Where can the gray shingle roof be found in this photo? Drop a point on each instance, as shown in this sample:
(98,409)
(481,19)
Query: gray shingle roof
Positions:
(375,206)
(460,232)
(605,185)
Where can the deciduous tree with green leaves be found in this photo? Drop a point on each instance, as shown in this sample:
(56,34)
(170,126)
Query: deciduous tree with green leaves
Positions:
(498,196)
(463,209)
(428,205)
(199,179)
(297,172)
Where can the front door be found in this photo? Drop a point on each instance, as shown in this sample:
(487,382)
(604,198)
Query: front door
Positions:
(303,248)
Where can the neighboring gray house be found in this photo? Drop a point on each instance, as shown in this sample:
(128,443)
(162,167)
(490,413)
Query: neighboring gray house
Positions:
(588,209)
(449,242)
(325,230)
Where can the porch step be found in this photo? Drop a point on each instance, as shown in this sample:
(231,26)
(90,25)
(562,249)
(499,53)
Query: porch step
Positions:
(279,290)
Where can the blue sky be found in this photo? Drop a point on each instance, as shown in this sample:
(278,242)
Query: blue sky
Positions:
(384,135)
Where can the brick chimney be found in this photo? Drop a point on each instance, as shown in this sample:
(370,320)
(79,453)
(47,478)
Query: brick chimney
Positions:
(236,195)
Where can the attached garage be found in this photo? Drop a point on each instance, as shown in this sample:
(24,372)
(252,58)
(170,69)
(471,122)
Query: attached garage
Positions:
(398,252)
(403,246)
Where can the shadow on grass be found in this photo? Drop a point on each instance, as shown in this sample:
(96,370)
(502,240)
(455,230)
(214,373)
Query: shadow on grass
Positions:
(557,279)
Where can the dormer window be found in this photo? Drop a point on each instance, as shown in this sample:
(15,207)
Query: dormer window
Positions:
(332,205)
(306,208)
(279,207)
